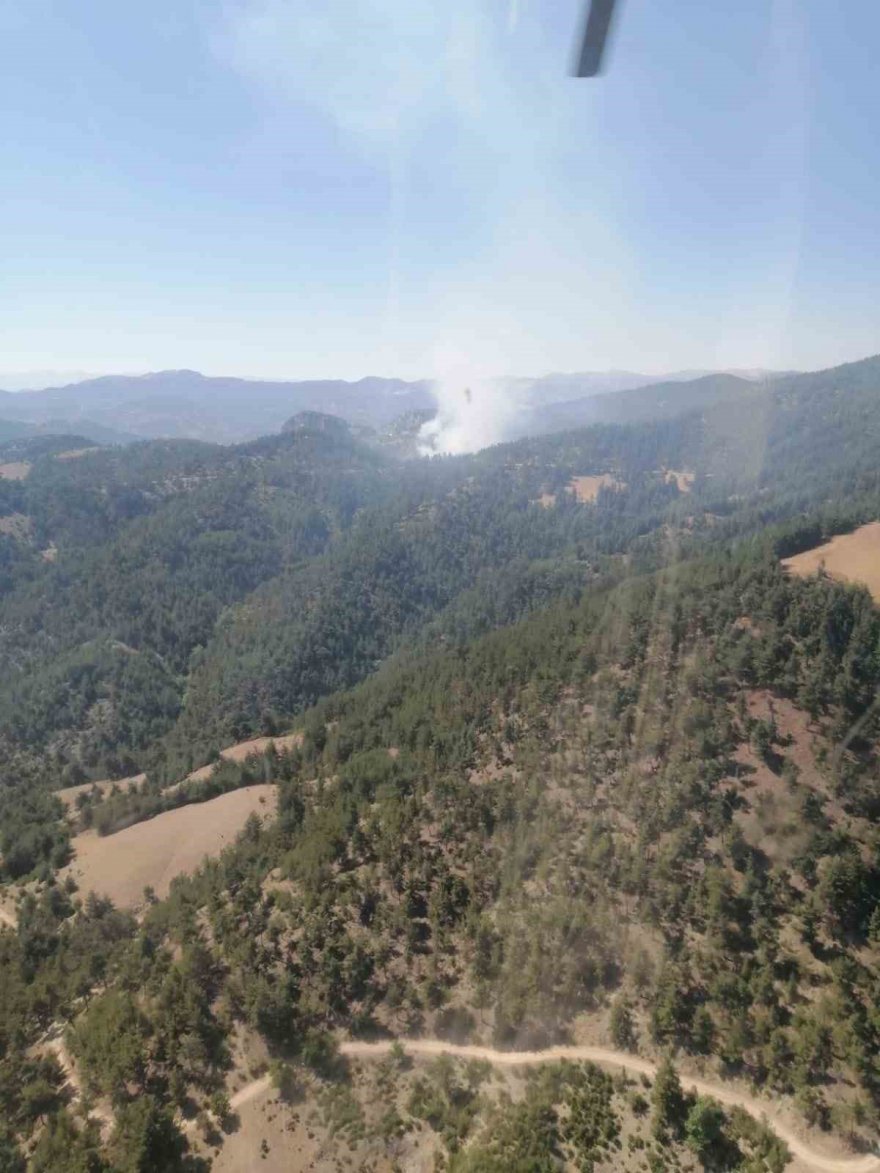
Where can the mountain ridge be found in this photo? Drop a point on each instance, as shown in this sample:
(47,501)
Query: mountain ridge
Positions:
(185,403)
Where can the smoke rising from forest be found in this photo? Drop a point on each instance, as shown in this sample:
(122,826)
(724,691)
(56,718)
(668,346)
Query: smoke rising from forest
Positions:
(474,411)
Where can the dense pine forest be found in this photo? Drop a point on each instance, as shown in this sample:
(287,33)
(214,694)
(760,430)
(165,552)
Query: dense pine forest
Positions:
(570,766)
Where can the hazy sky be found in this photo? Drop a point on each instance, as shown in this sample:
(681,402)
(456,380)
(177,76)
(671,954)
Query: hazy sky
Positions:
(278,187)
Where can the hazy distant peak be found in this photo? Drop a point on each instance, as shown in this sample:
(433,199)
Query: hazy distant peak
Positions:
(316,421)
(182,373)
(28,380)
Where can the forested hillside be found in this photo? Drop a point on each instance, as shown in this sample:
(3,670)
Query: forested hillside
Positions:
(577,761)
(162,600)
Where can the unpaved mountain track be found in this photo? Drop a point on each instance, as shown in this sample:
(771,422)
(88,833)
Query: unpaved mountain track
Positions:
(250,1091)
(100,1111)
(243,1096)
(610,1058)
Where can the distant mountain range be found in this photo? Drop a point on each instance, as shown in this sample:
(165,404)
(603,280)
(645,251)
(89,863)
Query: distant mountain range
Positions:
(28,380)
(186,403)
(16,429)
(653,401)
(164,404)
(560,388)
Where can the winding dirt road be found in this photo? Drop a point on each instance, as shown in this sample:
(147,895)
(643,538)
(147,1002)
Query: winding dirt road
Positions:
(609,1058)
(250,1091)
(101,1111)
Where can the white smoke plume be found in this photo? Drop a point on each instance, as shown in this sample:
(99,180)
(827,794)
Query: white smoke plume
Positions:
(474,411)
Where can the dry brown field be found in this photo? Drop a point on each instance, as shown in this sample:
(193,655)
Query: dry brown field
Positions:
(851,557)
(244,750)
(683,479)
(171,844)
(70,794)
(586,489)
(16,470)
(75,453)
(16,525)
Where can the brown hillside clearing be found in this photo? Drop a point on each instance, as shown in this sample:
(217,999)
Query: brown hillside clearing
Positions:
(102,1111)
(16,470)
(683,479)
(16,525)
(853,557)
(272,1137)
(771,817)
(254,748)
(172,844)
(70,794)
(75,453)
(586,489)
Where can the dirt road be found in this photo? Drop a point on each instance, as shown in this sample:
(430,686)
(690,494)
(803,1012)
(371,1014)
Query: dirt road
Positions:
(243,1096)
(250,1091)
(609,1058)
(101,1111)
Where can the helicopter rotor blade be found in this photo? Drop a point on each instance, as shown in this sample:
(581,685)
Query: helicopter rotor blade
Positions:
(595,38)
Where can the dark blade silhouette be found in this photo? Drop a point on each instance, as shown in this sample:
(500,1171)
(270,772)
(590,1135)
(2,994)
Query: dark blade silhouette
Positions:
(595,39)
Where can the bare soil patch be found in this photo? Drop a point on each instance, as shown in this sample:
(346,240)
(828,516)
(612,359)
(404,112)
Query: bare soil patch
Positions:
(746,623)
(586,489)
(75,453)
(682,478)
(272,1137)
(259,745)
(15,470)
(172,844)
(853,557)
(102,1111)
(70,794)
(772,817)
(254,748)
(16,525)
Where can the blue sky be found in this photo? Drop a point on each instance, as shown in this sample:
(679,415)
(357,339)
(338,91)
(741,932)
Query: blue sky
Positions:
(277,188)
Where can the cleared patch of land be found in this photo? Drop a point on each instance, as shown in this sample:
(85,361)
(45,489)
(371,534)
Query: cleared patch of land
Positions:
(586,489)
(256,747)
(853,557)
(152,853)
(75,453)
(16,525)
(683,479)
(101,1111)
(70,794)
(16,470)
(272,1137)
